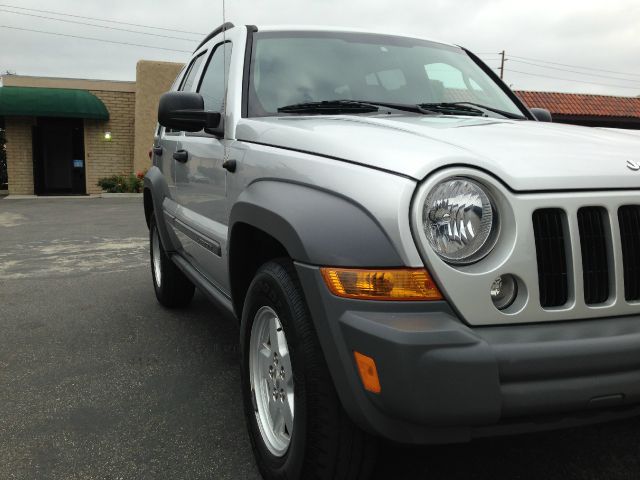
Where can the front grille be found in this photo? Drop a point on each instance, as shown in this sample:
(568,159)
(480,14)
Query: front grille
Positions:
(629,218)
(549,232)
(595,264)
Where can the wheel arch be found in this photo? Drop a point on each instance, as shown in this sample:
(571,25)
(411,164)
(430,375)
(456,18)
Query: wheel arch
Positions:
(154,192)
(272,219)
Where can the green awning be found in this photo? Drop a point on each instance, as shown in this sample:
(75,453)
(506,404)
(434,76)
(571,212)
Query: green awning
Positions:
(51,102)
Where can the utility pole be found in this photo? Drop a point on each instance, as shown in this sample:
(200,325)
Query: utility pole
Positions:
(502,64)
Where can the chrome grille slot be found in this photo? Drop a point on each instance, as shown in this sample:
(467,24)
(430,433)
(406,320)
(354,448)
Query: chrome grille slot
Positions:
(550,233)
(629,219)
(595,262)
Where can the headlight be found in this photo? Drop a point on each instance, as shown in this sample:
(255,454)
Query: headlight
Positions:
(460,221)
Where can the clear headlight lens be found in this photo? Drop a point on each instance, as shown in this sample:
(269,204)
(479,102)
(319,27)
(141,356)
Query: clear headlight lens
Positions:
(460,221)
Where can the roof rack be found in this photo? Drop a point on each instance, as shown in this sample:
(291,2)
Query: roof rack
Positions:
(222,28)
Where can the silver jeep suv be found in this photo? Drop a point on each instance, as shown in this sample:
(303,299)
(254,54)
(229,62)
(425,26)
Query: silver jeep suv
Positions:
(411,252)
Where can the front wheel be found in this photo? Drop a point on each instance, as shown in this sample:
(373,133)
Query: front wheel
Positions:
(297,426)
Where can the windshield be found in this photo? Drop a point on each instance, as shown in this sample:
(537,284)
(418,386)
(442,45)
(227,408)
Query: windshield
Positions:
(289,68)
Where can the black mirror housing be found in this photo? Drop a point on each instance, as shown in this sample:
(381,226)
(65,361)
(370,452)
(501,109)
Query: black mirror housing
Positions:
(541,114)
(185,111)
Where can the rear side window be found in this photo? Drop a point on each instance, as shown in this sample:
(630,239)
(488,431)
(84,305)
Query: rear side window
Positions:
(188,80)
(213,85)
(190,76)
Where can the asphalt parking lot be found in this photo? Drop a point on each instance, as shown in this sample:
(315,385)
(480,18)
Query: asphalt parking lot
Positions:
(97,381)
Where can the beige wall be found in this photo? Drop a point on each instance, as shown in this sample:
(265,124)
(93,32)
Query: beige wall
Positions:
(19,155)
(132,120)
(152,80)
(105,158)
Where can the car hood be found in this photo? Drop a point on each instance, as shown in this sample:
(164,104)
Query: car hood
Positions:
(526,155)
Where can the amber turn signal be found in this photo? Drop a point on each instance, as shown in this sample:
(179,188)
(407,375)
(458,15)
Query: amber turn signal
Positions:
(392,284)
(368,372)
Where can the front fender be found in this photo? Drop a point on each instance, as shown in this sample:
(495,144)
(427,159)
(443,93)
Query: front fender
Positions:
(315,226)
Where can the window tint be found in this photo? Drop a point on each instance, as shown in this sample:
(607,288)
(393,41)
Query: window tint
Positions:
(214,84)
(189,78)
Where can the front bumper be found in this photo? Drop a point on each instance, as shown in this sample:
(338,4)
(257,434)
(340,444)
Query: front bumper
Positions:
(443,381)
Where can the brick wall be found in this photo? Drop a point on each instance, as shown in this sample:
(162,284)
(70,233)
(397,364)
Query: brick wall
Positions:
(19,155)
(105,158)
(152,80)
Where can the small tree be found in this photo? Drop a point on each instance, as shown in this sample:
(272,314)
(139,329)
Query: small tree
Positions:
(4,178)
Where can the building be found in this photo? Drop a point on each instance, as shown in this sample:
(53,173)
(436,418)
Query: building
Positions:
(587,110)
(62,134)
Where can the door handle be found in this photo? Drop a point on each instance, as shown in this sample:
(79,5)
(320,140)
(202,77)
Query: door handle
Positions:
(181,156)
(229,165)
(157,150)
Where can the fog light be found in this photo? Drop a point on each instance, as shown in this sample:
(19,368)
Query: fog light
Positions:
(504,291)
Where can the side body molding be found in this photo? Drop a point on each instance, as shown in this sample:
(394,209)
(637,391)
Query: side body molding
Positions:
(315,226)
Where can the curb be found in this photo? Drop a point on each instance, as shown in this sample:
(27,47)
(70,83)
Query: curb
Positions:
(52,197)
(71,197)
(121,195)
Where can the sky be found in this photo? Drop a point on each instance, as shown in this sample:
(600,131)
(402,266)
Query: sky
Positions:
(581,46)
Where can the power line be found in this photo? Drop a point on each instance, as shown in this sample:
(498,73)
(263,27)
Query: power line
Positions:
(99,26)
(575,71)
(576,66)
(572,80)
(95,39)
(101,19)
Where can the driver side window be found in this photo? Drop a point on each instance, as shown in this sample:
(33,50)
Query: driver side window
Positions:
(187,81)
(213,86)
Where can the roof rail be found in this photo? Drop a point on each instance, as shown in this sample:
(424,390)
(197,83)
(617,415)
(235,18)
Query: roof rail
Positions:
(222,28)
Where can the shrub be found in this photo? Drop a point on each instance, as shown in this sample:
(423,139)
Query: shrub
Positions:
(122,183)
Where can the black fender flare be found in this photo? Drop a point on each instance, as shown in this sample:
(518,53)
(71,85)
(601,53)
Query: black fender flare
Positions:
(156,185)
(315,226)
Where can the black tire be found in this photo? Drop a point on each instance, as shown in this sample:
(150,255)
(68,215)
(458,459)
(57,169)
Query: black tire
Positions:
(174,289)
(325,444)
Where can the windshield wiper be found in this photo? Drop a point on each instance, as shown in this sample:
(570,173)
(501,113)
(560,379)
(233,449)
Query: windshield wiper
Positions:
(453,109)
(336,107)
(350,106)
(330,107)
(462,106)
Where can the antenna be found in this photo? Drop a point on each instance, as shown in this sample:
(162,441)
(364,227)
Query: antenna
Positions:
(224,84)
(224,60)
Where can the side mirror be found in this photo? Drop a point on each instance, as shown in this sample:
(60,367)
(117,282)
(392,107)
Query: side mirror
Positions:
(541,114)
(185,111)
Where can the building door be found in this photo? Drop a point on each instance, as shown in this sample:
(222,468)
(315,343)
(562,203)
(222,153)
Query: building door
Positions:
(58,157)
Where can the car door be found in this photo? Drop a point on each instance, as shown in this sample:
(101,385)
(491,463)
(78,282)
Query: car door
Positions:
(167,141)
(201,180)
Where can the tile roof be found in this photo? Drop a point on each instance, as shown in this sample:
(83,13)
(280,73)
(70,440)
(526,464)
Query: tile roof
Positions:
(583,105)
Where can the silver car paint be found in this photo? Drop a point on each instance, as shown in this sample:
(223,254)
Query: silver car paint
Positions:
(385,198)
(526,155)
(388,156)
(199,186)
